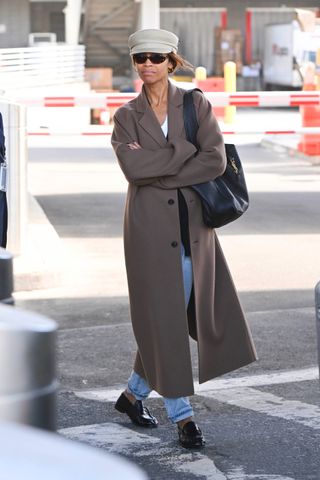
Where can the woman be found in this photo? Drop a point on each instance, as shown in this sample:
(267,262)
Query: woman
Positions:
(178,279)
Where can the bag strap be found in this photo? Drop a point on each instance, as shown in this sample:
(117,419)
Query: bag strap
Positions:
(191,124)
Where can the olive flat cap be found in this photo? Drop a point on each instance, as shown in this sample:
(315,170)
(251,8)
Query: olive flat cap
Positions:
(153,40)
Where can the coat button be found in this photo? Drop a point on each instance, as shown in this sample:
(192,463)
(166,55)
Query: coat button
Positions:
(174,244)
(171,201)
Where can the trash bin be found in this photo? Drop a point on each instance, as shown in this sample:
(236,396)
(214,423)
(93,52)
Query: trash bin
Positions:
(3,187)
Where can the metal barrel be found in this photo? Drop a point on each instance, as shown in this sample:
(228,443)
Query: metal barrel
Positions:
(6,277)
(28,382)
(317,299)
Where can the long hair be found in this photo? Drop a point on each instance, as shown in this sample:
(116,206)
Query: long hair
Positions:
(178,63)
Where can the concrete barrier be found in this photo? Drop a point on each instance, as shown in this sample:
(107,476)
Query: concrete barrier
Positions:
(6,277)
(28,382)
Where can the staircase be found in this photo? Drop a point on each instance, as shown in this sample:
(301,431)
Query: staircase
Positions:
(107,25)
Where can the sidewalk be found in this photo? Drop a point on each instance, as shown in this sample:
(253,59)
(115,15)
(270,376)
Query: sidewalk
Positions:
(39,266)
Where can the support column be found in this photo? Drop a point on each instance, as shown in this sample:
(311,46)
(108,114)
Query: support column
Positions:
(72,14)
(248,36)
(149,14)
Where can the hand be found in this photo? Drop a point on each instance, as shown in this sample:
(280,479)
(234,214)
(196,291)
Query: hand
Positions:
(134,146)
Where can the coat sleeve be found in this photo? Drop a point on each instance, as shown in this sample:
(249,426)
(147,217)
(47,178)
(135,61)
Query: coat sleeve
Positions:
(144,166)
(210,161)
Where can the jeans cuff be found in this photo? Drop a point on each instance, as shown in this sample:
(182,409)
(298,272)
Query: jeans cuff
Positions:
(187,412)
(136,395)
(138,386)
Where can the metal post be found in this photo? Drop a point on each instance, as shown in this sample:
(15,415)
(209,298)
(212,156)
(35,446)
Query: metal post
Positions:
(72,21)
(28,382)
(230,85)
(317,298)
(14,122)
(149,14)
(6,277)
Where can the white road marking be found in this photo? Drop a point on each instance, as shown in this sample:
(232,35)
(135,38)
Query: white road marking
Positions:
(199,466)
(239,474)
(238,392)
(111,435)
(269,404)
(118,439)
(233,391)
(121,440)
(273,378)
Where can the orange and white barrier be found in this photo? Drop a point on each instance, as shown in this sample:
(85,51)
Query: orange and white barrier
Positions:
(103,131)
(217,99)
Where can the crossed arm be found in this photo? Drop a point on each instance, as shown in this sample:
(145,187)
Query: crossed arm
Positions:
(178,164)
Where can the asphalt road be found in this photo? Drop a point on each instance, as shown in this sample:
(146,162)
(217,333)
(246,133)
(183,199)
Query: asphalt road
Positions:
(261,422)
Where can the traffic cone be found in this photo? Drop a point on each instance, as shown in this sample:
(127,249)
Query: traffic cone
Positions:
(310,116)
(210,84)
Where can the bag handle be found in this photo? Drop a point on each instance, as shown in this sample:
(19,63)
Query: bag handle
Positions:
(190,120)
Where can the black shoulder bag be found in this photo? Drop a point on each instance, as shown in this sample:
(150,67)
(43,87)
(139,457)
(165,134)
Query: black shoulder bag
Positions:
(226,198)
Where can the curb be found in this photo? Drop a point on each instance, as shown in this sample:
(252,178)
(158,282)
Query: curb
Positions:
(292,152)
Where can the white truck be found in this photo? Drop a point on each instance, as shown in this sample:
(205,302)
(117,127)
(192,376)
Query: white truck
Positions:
(287,49)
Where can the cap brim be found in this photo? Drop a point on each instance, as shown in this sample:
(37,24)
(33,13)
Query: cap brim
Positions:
(151,48)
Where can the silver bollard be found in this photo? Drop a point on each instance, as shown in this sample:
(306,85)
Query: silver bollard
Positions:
(6,277)
(28,382)
(317,298)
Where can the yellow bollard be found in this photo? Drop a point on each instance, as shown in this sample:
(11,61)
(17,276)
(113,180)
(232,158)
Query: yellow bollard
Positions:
(201,73)
(230,85)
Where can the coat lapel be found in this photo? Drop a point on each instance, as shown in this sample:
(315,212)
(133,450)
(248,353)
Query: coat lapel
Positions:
(175,112)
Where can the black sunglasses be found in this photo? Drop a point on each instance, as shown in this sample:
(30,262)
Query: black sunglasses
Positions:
(155,58)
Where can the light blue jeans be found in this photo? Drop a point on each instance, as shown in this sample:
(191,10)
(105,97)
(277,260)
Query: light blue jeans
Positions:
(177,408)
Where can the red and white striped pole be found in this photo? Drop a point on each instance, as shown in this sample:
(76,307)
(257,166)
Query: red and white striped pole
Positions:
(217,99)
(103,131)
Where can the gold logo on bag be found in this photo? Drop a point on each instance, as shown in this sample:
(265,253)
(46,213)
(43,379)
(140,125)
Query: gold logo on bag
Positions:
(233,165)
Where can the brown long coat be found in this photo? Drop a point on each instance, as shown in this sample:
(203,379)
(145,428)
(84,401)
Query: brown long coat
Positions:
(153,254)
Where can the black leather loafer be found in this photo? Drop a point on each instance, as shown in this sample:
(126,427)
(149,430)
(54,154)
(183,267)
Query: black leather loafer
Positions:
(190,436)
(137,412)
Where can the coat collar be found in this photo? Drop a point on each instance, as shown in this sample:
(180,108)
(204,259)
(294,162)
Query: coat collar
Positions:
(148,120)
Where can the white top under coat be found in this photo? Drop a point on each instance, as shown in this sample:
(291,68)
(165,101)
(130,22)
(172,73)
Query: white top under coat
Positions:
(164,126)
